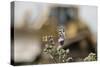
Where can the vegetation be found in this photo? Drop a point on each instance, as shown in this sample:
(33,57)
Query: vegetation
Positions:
(59,55)
(91,57)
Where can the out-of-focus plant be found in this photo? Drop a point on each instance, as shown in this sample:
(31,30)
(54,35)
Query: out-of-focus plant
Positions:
(91,57)
(57,55)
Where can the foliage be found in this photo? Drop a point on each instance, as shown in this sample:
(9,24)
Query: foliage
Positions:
(91,57)
(57,55)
